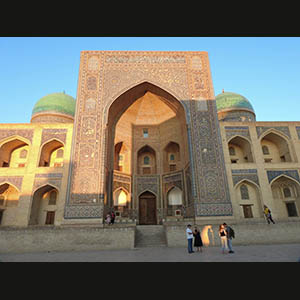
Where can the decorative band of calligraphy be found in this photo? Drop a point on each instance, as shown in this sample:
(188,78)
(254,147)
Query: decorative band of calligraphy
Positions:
(144,59)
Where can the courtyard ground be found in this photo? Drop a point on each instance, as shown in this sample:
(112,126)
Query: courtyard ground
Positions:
(250,253)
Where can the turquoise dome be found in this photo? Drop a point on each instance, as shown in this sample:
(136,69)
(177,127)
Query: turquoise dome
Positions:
(56,102)
(228,101)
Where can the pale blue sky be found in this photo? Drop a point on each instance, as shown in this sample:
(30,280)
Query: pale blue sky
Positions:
(263,69)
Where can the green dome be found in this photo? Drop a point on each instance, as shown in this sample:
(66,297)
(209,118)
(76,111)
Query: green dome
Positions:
(56,102)
(228,100)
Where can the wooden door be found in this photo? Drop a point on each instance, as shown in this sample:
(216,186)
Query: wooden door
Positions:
(50,217)
(147,209)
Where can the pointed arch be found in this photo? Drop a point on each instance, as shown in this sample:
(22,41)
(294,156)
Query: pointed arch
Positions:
(286,206)
(39,204)
(278,144)
(46,151)
(242,146)
(9,194)
(286,176)
(10,145)
(251,206)
(121,197)
(175,196)
(136,90)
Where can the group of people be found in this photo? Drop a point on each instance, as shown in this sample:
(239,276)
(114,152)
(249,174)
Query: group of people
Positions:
(226,233)
(110,218)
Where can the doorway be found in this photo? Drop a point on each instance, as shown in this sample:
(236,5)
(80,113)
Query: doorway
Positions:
(147,209)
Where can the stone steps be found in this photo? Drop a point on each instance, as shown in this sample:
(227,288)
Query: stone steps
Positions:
(150,236)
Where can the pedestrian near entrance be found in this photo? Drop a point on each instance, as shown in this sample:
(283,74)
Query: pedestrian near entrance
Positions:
(267,213)
(223,237)
(189,236)
(230,236)
(113,216)
(198,241)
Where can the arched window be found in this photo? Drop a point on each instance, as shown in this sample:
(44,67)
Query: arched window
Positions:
(231,151)
(265,150)
(146,160)
(287,192)
(244,192)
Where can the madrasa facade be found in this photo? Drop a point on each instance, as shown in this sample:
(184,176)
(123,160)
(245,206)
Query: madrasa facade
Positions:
(147,138)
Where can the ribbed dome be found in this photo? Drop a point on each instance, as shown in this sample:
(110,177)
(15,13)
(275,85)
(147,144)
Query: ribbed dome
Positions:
(56,107)
(228,100)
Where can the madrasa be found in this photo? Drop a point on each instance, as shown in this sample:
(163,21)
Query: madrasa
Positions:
(147,138)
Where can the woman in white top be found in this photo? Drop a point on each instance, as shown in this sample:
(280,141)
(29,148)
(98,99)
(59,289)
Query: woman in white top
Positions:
(223,237)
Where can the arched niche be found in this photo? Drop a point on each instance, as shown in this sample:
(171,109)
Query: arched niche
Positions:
(248,198)
(12,153)
(121,198)
(275,148)
(50,154)
(44,204)
(175,196)
(9,195)
(122,159)
(146,161)
(240,150)
(286,196)
(171,157)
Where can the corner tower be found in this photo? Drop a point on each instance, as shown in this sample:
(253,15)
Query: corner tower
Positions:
(146,132)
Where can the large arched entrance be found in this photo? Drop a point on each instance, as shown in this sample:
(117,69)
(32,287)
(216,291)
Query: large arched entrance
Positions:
(147,150)
(147,209)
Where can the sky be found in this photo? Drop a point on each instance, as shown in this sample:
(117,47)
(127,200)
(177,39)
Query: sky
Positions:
(265,70)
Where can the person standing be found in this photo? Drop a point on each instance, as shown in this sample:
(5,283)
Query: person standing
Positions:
(267,213)
(198,241)
(223,237)
(230,235)
(189,236)
(113,216)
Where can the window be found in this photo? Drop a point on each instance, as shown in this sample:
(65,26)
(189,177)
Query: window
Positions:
(247,211)
(172,168)
(50,217)
(265,150)
(172,157)
(244,192)
(282,158)
(287,192)
(268,160)
(146,160)
(234,161)
(231,151)
(145,132)
(291,208)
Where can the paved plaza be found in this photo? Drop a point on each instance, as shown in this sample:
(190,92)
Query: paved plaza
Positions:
(250,253)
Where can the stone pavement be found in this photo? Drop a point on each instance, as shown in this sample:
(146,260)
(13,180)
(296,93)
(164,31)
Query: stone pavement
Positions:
(250,253)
